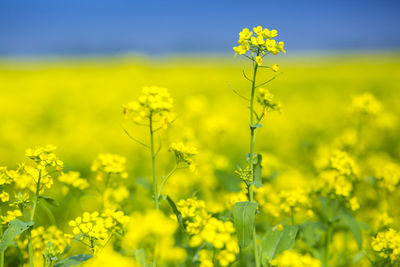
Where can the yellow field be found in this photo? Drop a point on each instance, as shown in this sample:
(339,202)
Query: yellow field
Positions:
(76,105)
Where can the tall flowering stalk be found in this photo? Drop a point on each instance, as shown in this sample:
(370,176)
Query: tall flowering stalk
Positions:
(255,45)
(154,109)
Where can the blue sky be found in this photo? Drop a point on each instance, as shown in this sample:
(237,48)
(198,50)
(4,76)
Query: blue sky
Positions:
(62,27)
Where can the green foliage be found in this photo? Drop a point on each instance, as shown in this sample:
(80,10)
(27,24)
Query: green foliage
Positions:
(15,228)
(243,217)
(73,260)
(177,213)
(276,241)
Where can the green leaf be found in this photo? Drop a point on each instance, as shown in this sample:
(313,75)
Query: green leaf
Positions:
(243,218)
(73,260)
(50,200)
(15,228)
(354,226)
(178,214)
(276,241)
(140,256)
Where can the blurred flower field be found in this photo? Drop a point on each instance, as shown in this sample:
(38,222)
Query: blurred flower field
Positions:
(330,162)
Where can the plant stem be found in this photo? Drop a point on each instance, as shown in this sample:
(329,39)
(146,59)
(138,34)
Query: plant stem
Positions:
(251,158)
(165,179)
(327,243)
(155,192)
(153,163)
(35,203)
(1,234)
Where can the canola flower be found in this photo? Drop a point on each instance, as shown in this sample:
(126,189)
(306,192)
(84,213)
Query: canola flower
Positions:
(73,179)
(154,104)
(290,258)
(259,41)
(107,165)
(96,228)
(387,245)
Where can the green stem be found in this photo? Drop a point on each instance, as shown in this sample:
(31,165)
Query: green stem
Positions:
(327,243)
(35,203)
(1,234)
(252,142)
(165,179)
(153,163)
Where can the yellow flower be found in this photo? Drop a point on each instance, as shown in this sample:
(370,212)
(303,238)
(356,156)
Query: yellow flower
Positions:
(155,102)
(11,215)
(259,60)
(354,205)
(290,258)
(275,67)
(109,164)
(387,244)
(4,196)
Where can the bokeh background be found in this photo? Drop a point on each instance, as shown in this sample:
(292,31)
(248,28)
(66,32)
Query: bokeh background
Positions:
(67,67)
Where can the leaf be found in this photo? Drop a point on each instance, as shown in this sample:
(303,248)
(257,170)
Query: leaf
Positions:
(50,200)
(354,226)
(15,228)
(140,256)
(73,260)
(178,214)
(276,241)
(243,218)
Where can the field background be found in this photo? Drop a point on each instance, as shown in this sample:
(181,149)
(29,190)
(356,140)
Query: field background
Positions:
(76,104)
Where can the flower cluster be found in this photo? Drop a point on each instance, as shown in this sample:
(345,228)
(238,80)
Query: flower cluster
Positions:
(108,257)
(261,41)
(155,102)
(6,176)
(331,184)
(290,258)
(73,179)
(109,164)
(366,104)
(96,227)
(220,235)
(11,215)
(245,174)
(44,157)
(183,153)
(41,237)
(205,229)
(266,99)
(144,230)
(343,164)
(294,200)
(194,214)
(387,244)
(386,173)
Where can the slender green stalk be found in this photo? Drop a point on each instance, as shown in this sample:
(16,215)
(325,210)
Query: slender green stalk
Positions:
(252,142)
(165,179)
(1,234)
(153,163)
(35,203)
(327,243)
